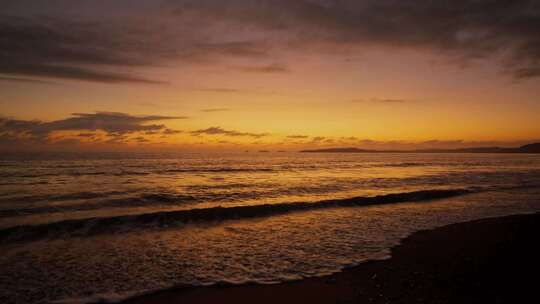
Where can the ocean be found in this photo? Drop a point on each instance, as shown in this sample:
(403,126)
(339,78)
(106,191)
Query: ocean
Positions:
(85,227)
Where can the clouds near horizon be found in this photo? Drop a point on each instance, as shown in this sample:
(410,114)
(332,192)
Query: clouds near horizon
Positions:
(211,110)
(112,123)
(121,128)
(224,132)
(295,73)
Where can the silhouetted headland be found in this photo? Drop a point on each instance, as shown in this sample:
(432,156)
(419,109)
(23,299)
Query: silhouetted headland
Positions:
(531,148)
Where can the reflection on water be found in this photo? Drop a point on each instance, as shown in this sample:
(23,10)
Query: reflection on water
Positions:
(266,249)
(33,191)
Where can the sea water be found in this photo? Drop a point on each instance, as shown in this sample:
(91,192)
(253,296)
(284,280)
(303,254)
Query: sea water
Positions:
(85,227)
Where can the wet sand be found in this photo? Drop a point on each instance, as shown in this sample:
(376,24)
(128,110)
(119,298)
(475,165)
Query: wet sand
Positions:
(485,261)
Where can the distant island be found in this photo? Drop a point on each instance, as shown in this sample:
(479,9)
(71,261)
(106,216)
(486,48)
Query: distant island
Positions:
(531,148)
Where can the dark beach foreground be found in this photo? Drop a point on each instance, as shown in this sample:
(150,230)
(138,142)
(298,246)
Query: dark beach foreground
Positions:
(485,261)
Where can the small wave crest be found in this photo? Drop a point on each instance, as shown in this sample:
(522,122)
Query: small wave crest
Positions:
(60,197)
(142,200)
(217,170)
(119,173)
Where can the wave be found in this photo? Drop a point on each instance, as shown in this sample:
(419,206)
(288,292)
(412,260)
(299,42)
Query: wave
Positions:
(61,197)
(218,170)
(142,200)
(145,171)
(217,193)
(164,219)
(24,174)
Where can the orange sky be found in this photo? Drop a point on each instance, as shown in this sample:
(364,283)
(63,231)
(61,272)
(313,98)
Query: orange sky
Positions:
(286,78)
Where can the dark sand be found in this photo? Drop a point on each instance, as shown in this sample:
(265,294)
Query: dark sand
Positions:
(485,261)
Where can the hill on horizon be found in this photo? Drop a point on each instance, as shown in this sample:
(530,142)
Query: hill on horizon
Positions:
(530,148)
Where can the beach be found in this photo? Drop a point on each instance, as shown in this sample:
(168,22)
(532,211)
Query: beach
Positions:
(491,260)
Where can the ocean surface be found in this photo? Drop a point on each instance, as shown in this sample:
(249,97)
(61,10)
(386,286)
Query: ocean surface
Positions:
(78,228)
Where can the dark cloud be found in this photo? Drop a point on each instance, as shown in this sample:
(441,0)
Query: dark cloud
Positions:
(215,110)
(463,29)
(86,134)
(141,139)
(221,131)
(172,132)
(81,50)
(71,72)
(298,136)
(152,132)
(101,49)
(116,139)
(110,41)
(113,123)
(25,80)
(527,72)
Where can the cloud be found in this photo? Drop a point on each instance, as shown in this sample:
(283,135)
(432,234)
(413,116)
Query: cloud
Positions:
(298,136)
(172,132)
(107,48)
(112,41)
(432,144)
(264,69)
(242,48)
(462,29)
(25,80)
(215,110)
(113,123)
(225,90)
(388,100)
(141,139)
(72,72)
(406,145)
(67,49)
(380,100)
(86,134)
(220,131)
(217,90)
(527,72)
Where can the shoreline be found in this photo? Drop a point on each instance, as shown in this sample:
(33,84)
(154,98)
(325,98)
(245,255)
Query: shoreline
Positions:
(486,260)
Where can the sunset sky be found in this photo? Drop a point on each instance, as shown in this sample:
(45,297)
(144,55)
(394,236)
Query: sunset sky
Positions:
(268,74)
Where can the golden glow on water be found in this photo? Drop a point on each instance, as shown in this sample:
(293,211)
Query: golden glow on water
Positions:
(147,221)
(49,190)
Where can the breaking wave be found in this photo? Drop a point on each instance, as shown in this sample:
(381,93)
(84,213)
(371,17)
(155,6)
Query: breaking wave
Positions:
(106,225)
